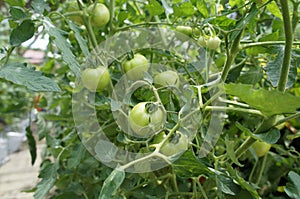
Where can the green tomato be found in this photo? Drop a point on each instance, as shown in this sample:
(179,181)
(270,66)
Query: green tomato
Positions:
(99,14)
(177,144)
(187,30)
(95,78)
(72,6)
(146,118)
(136,67)
(213,42)
(202,41)
(167,78)
(261,148)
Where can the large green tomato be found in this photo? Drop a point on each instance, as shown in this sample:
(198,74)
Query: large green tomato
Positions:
(167,78)
(261,148)
(95,78)
(146,118)
(177,144)
(99,14)
(136,67)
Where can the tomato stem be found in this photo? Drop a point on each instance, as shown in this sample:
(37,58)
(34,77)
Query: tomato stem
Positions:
(262,168)
(231,54)
(234,109)
(112,13)
(264,43)
(289,37)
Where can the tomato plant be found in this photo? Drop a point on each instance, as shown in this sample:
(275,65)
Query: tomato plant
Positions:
(192,84)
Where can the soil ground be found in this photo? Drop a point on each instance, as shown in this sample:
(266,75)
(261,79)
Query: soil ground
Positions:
(17,174)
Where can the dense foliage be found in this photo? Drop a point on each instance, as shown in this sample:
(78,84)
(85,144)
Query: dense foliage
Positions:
(249,50)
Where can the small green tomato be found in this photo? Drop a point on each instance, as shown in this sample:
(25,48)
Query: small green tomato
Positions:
(167,78)
(99,14)
(95,79)
(136,67)
(202,41)
(146,118)
(261,148)
(213,42)
(177,144)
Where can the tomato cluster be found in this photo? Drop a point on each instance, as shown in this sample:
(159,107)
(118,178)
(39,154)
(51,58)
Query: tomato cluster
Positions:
(212,42)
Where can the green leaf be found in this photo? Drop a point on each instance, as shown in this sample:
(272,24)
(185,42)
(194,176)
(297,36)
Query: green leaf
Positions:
(230,151)
(274,9)
(242,182)
(123,14)
(22,33)
(20,3)
(40,6)
(105,151)
(224,22)
(274,36)
(155,8)
(48,174)
(63,45)
(82,43)
(268,102)
(77,153)
(238,3)
(251,76)
(31,144)
(189,166)
(292,188)
(19,74)
(17,13)
(271,137)
(274,66)
(201,6)
(1,18)
(42,129)
(244,21)
(183,10)
(112,184)
(226,185)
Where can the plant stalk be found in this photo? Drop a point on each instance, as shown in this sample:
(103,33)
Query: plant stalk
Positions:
(235,48)
(289,37)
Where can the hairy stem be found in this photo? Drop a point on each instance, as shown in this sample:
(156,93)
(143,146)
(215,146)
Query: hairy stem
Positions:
(288,45)
(112,13)
(235,48)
